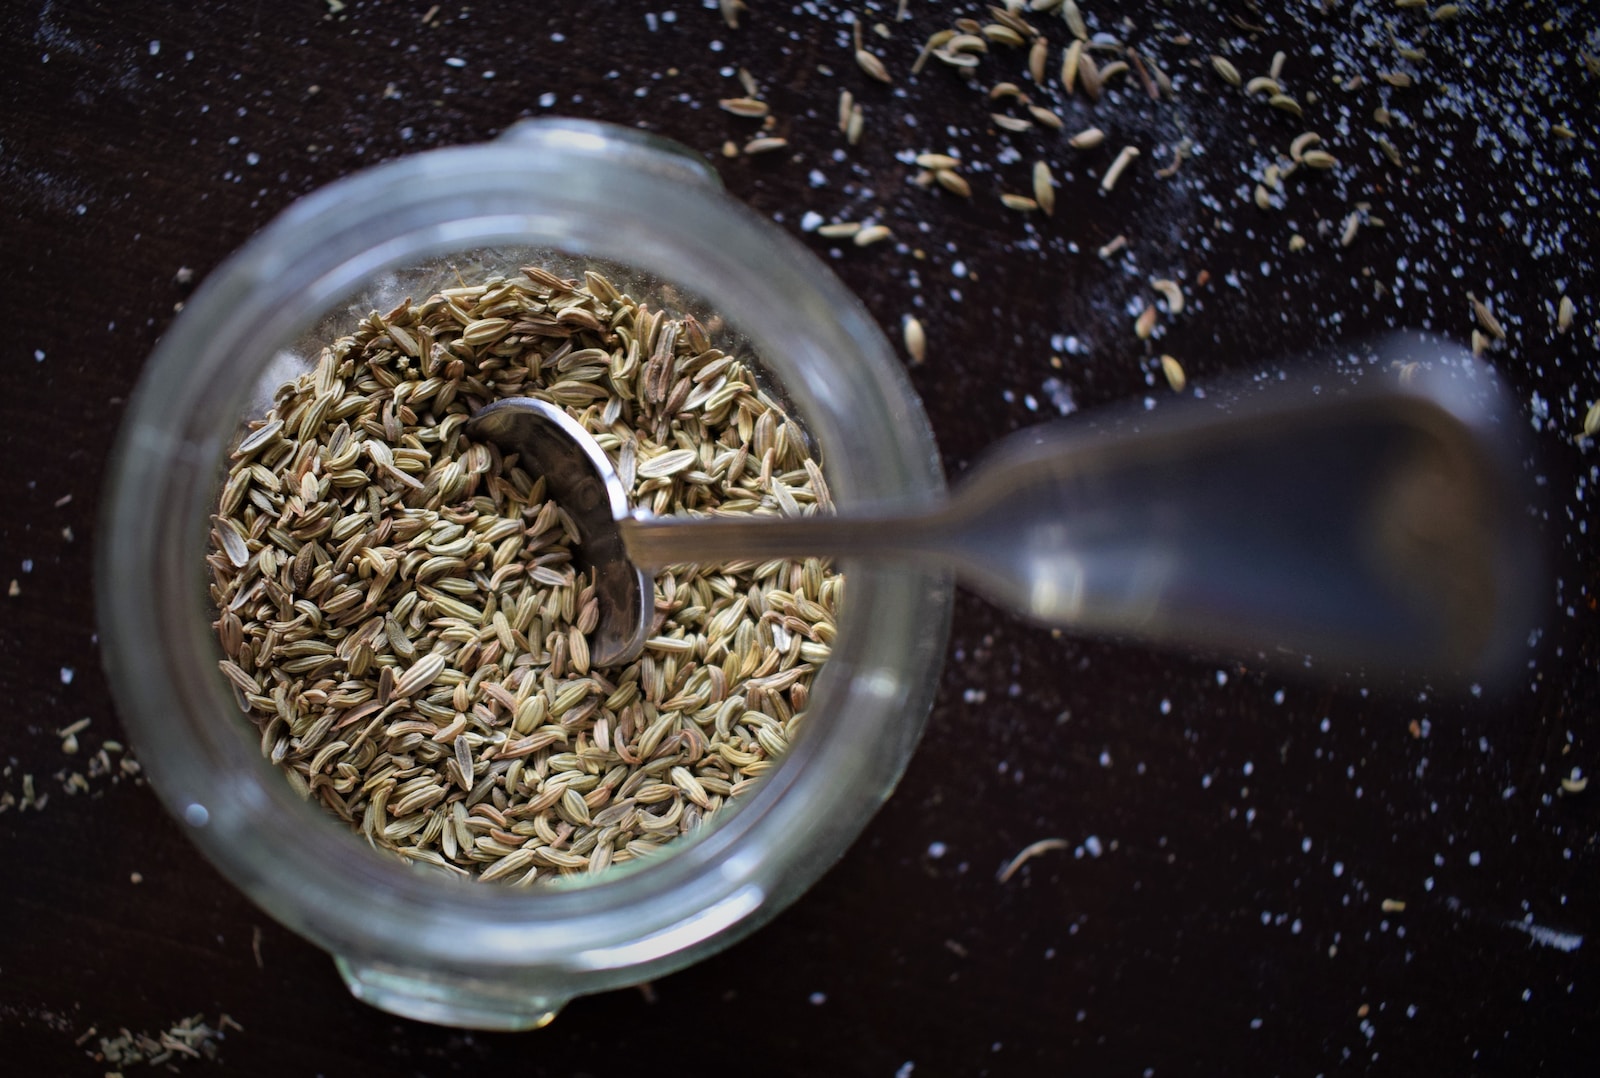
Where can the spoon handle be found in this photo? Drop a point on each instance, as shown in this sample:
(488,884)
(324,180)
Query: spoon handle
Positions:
(1377,526)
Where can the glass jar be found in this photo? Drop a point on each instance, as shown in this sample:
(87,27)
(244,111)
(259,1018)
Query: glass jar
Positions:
(407,940)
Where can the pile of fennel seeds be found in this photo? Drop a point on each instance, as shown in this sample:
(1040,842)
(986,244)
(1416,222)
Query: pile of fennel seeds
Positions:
(402,620)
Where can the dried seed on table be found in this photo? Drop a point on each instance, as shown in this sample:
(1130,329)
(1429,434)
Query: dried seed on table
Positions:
(872,66)
(1046,117)
(1070,63)
(1145,324)
(847,101)
(1286,103)
(1021,203)
(1124,159)
(871,234)
(1224,67)
(744,106)
(1089,76)
(1275,70)
(1321,159)
(1171,291)
(764,145)
(1486,319)
(1565,312)
(1591,421)
(1174,373)
(953,182)
(1352,225)
(1263,197)
(858,121)
(839,230)
(1262,85)
(934,162)
(1087,139)
(1010,123)
(1038,56)
(916,341)
(1002,35)
(1074,20)
(1302,142)
(1044,187)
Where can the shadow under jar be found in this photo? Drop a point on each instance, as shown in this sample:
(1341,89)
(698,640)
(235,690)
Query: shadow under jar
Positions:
(565,194)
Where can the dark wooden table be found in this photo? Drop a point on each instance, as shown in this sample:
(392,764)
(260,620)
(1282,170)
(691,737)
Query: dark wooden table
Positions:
(1239,840)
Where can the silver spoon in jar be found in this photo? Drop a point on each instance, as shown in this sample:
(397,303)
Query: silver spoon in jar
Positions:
(1369,526)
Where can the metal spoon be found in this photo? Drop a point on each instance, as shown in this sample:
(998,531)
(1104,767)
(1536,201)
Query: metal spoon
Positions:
(1372,526)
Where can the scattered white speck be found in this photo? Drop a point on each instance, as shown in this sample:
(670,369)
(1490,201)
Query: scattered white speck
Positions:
(937,849)
(1222,677)
(1166,706)
(1474,859)
(816,179)
(547,99)
(817,999)
(1092,844)
(905,1069)
(1249,768)
(38,355)
(1305,845)
(155,48)
(67,674)
(27,565)
(1549,937)
(454,61)
(1338,868)
(252,158)
(1527,994)
(1105,758)
(1255,1023)
(810,221)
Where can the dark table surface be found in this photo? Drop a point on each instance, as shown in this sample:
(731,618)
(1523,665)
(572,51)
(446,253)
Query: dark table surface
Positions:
(1264,871)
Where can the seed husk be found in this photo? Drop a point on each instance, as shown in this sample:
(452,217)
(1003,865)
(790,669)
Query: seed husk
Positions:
(1010,123)
(1174,372)
(1261,84)
(839,229)
(764,144)
(1044,187)
(1445,12)
(1320,159)
(1263,197)
(1145,324)
(1021,203)
(1297,243)
(1087,139)
(871,234)
(1124,159)
(1591,420)
(935,162)
(1224,67)
(1565,311)
(1171,291)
